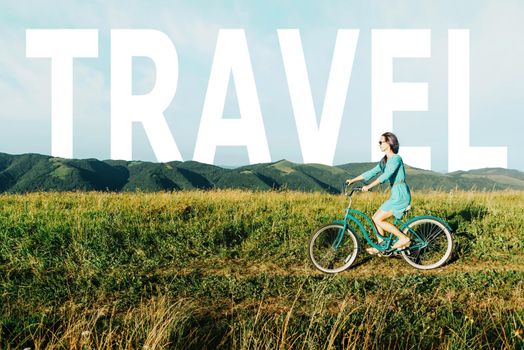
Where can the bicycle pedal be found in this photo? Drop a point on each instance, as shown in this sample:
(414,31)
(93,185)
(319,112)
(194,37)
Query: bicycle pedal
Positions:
(386,254)
(396,251)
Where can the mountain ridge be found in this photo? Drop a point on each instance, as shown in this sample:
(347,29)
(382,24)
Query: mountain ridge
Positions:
(32,172)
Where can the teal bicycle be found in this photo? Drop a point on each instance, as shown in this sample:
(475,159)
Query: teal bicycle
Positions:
(334,247)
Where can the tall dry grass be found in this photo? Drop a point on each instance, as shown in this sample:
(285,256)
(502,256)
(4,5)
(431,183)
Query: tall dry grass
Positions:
(229,269)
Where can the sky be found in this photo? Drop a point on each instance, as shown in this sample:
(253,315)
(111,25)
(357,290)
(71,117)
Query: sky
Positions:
(496,29)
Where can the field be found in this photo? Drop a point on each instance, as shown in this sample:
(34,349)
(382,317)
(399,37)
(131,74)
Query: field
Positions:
(229,269)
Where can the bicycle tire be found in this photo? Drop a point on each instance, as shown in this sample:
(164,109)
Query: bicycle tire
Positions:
(439,244)
(322,254)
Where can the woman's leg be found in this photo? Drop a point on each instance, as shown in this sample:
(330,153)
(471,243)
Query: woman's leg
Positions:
(379,229)
(380,221)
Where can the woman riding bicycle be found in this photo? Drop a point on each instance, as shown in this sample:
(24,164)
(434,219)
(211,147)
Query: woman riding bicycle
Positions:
(392,169)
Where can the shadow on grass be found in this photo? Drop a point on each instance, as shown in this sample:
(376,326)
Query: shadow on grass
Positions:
(362,259)
(459,222)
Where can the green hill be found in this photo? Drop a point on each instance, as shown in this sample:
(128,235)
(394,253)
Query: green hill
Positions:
(35,172)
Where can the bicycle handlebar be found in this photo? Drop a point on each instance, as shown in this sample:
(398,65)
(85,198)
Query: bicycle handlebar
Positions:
(353,189)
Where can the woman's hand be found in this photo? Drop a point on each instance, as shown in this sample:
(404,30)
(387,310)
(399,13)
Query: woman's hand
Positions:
(349,181)
(366,188)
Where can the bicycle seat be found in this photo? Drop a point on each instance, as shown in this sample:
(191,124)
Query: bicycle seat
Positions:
(407,208)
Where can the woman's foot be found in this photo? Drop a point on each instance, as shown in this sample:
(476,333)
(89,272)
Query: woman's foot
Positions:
(372,251)
(402,243)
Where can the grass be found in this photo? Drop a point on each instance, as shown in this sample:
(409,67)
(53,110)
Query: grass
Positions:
(229,269)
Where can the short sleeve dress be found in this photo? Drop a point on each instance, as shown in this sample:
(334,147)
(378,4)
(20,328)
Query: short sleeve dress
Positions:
(394,171)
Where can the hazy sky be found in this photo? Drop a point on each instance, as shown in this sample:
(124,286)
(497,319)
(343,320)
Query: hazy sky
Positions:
(496,61)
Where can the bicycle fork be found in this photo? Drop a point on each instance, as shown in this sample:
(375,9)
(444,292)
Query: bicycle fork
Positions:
(340,236)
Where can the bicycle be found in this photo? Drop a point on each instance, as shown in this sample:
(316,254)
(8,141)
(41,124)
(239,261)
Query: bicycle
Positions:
(334,247)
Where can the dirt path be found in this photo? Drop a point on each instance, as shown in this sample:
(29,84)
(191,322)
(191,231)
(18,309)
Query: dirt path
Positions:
(366,267)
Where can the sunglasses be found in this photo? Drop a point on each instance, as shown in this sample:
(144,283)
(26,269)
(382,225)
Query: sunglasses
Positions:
(381,142)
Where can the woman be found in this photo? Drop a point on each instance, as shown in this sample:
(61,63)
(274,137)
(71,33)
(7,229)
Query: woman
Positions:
(392,169)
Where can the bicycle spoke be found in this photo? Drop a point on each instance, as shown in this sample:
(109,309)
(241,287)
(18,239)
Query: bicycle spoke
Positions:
(434,235)
(428,230)
(422,233)
(417,255)
(435,239)
(332,249)
(415,236)
(438,233)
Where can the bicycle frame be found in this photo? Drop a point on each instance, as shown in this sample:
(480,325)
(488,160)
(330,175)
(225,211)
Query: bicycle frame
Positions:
(352,217)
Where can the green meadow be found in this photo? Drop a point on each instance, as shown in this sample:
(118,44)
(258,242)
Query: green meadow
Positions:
(229,269)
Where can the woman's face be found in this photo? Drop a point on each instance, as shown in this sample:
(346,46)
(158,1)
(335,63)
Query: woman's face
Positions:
(384,146)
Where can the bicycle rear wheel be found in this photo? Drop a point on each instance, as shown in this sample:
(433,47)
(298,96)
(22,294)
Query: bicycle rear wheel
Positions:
(331,249)
(431,247)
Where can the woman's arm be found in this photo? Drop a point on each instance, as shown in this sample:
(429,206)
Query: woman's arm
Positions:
(366,176)
(391,166)
(370,186)
(355,179)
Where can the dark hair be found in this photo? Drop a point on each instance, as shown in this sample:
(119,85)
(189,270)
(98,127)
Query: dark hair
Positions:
(392,140)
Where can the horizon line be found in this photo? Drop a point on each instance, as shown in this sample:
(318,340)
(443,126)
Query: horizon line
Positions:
(240,166)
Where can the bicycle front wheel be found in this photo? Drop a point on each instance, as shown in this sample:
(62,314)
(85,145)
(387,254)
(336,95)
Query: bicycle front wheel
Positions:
(432,245)
(331,249)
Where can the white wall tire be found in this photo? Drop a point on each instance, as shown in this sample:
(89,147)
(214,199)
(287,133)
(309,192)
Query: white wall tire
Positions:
(438,250)
(322,253)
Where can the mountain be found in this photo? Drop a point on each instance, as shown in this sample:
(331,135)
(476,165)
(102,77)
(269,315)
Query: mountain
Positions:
(502,177)
(35,172)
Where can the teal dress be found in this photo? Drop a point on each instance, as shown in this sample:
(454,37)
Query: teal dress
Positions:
(393,171)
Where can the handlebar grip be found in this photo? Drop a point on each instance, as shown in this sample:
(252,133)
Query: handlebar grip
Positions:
(349,193)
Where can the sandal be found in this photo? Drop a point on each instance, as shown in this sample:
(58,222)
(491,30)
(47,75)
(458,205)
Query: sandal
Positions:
(401,244)
(372,251)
